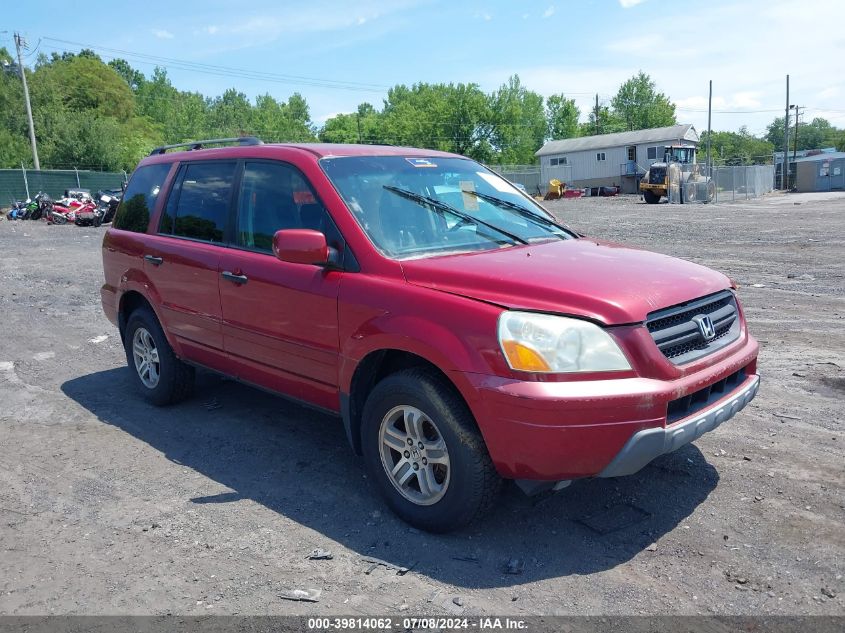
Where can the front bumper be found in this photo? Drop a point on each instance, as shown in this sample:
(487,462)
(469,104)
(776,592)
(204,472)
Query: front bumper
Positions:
(646,445)
(552,431)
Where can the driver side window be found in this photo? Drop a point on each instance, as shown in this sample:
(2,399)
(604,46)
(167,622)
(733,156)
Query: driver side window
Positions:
(265,205)
(275,196)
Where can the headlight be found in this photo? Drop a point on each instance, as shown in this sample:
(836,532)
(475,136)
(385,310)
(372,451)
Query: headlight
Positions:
(552,344)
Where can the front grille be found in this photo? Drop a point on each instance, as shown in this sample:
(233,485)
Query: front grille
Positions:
(695,402)
(677,334)
(657,175)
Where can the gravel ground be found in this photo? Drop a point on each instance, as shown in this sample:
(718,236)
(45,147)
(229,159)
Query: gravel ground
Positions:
(110,506)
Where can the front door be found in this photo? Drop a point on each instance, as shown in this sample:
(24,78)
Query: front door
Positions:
(280,319)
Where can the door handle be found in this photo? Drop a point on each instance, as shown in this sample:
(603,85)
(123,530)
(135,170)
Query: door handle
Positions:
(238,279)
(155,261)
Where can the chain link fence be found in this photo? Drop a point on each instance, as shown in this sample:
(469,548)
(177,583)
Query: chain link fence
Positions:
(20,184)
(526,175)
(691,184)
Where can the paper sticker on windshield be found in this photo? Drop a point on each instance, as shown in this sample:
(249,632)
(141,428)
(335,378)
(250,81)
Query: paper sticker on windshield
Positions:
(420,162)
(470,201)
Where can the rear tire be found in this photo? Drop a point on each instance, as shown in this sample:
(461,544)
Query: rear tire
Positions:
(459,483)
(651,197)
(158,374)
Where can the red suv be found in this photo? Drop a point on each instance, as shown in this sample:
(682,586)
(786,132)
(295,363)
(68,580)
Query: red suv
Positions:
(461,332)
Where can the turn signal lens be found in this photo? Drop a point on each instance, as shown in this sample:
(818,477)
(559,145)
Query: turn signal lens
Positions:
(524,358)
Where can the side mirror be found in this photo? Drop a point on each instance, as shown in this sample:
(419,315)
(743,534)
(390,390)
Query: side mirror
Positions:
(301,246)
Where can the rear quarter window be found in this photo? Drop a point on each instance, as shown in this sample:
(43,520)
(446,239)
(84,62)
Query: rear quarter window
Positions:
(138,201)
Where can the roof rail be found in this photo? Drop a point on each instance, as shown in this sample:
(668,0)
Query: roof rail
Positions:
(240,140)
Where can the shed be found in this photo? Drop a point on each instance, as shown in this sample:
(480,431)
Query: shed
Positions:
(618,159)
(822,172)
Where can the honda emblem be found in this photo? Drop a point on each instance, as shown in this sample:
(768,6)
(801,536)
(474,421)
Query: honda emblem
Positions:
(705,327)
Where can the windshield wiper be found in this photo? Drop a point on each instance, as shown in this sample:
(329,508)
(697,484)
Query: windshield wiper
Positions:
(424,201)
(507,204)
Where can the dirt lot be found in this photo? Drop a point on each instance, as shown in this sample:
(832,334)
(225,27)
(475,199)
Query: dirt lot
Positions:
(108,505)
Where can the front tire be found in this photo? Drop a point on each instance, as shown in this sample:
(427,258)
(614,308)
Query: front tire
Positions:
(650,196)
(424,452)
(158,374)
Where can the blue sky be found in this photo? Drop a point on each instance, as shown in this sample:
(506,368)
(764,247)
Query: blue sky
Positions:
(579,48)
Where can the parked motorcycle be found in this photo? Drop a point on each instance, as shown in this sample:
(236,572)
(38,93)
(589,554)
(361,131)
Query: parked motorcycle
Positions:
(16,212)
(103,212)
(40,206)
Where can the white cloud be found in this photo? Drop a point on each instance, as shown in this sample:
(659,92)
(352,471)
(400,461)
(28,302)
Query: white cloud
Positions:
(627,4)
(482,15)
(212,29)
(549,12)
(325,117)
(162,34)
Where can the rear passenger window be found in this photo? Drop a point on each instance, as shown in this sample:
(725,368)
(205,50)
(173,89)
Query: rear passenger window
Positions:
(134,211)
(198,207)
(275,196)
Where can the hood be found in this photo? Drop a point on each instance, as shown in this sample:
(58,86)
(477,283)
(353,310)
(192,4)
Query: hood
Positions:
(606,282)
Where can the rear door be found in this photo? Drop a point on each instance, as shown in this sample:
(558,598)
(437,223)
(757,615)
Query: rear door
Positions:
(182,259)
(279,318)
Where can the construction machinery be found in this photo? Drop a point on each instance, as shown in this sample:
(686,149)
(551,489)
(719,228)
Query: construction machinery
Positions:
(678,177)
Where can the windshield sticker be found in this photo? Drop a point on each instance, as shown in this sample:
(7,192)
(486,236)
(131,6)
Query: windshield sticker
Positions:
(497,183)
(420,162)
(470,201)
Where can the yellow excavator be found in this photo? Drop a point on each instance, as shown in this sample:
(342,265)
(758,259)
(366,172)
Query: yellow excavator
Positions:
(678,177)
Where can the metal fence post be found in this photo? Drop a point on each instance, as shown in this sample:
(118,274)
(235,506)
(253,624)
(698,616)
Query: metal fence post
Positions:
(746,182)
(715,181)
(76,171)
(25,181)
(733,186)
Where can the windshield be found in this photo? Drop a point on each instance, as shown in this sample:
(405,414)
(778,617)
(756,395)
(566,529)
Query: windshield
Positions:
(680,154)
(420,207)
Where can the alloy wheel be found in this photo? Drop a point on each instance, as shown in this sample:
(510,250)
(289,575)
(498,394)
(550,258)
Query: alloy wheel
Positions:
(145,354)
(414,455)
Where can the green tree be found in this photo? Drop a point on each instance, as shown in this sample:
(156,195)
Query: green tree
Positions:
(608,122)
(736,148)
(518,122)
(84,83)
(640,106)
(276,121)
(14,150)
(341,128)
(817,134)
(562,115)
(230,114)
(449,117)
(133,78)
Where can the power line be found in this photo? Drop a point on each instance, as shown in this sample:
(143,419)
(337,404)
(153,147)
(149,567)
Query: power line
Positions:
(225,71)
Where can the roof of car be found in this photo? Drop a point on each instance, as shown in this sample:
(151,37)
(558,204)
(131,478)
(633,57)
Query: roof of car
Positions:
(320,150)
(349,149)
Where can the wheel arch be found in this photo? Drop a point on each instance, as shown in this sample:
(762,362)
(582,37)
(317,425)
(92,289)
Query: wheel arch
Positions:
(133,299)
(369,371)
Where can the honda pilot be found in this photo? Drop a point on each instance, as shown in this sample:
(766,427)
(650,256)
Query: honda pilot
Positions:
(463,334)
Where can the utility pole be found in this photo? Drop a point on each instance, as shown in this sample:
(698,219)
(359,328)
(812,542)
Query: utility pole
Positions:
(785,172)
(795,144)
(709,129)
(18,43)
(597,114)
